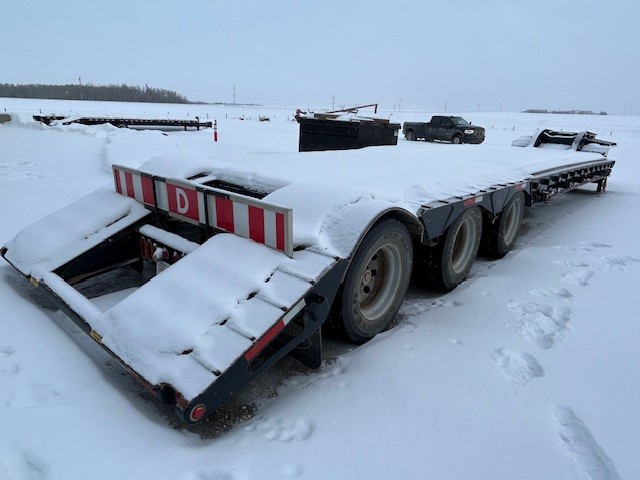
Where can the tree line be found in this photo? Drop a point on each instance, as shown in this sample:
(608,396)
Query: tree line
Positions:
(107,93)
(570,112)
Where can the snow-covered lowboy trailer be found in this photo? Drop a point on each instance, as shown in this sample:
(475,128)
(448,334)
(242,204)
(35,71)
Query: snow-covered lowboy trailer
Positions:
(241,263)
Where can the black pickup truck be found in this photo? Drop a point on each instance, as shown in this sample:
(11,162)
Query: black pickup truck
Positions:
(447,129)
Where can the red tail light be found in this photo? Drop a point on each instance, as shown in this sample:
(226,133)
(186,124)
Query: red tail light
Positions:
(143,248)
(197,412)
(149,250)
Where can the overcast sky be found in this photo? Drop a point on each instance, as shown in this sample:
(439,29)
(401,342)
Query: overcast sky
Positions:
(471,54)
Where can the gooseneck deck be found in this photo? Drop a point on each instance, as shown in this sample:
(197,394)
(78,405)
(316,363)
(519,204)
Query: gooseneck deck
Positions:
(240,265)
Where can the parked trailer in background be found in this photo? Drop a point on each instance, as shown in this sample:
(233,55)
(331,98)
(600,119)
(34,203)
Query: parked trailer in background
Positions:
(239,267)
(126,122)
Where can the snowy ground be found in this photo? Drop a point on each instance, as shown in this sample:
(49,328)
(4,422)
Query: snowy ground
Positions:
(528,370)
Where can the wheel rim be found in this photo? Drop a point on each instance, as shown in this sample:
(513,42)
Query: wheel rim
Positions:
(379,282)
(511,222)
(457,140)
(463,245)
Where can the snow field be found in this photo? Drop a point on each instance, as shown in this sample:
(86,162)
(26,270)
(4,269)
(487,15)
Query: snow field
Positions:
(529,369)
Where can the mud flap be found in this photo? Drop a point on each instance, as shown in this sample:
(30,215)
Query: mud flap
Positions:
(309,351)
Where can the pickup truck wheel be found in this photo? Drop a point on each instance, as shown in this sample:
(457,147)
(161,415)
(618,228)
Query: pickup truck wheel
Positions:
(410,135)
(501,236)
(377,281)
(451,262)
(456,139)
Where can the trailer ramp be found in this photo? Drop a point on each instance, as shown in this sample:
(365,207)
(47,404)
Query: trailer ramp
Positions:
(217,307)
(194,320)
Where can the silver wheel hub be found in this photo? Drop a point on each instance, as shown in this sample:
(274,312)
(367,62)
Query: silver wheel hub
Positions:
(380,282)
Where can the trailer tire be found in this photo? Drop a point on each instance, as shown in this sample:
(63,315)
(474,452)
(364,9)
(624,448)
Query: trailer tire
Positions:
(410,135)
(501,236)
(456,139)
(451,262)
(377,281)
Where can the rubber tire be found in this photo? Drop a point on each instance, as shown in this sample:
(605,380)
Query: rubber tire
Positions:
(361,322)
(456,140)
(501,236)
(410,135)
(449,272)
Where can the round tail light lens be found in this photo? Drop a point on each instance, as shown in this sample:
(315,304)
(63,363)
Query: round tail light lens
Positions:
(197,412)
(143,248)
(149,249)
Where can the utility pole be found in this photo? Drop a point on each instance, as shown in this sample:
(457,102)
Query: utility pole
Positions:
(399,104)
(234,94)
(333,102)
(445,106)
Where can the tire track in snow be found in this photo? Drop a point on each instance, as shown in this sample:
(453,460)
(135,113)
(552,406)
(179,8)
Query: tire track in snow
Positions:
(29,393)
(17,171)
(543,323)
(519,368)
(586,454)
(540,323)
(7,367)
(283,430)
(617,262)
(214,474)
(19,464)
(580,272)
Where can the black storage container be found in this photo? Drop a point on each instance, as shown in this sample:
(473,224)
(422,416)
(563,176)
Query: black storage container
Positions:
(322,132)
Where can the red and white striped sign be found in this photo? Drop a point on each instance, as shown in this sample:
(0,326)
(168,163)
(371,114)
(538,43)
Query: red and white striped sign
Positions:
(249,220)
(244,216)
(133,184)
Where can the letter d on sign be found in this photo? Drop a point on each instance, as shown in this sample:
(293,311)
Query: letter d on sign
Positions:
(182,201)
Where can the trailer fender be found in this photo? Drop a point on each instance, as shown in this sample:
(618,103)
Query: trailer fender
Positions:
(346,228)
